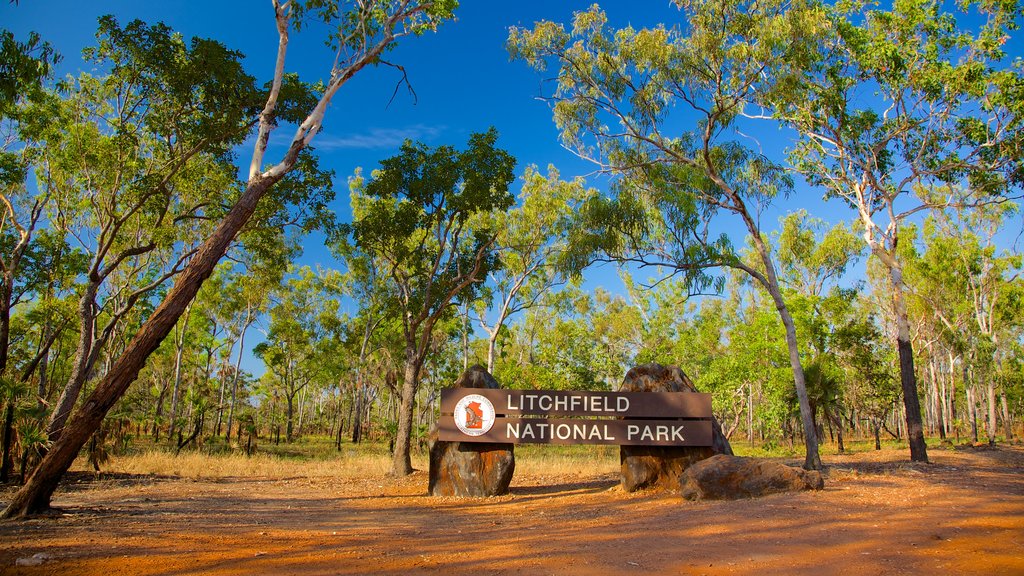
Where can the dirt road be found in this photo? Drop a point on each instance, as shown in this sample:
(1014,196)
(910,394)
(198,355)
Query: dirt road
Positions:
(963,513)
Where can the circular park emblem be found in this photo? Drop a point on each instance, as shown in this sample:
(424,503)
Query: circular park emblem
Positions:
(474,415)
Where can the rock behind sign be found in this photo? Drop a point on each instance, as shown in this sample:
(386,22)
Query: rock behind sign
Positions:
(471,468)
(656,467)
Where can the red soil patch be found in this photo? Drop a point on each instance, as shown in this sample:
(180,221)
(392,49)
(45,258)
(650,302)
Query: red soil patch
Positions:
(964,513)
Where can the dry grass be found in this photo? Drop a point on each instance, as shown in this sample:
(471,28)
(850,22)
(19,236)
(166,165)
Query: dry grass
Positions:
(535,460)
(198,465)
(530,460)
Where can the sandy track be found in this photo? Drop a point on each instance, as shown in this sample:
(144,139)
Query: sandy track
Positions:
(964,513)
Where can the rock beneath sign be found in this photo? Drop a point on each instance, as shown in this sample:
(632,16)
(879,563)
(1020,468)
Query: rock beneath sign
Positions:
(724,477)
(471,468)
(661,467)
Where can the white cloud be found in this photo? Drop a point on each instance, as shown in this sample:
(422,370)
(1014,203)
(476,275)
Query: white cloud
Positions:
(376,138)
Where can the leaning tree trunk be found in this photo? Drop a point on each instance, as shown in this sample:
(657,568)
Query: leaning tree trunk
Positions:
(35,495)
(812,459)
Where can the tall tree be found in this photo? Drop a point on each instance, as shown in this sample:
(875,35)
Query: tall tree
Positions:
(905,110)
(621,97)
(24,66)
(248,295)
(415,217)
(972,289)
(132,165)
(531,239)
(303,323)
(361,34)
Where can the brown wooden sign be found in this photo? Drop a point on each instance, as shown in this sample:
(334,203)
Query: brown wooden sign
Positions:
(620,418)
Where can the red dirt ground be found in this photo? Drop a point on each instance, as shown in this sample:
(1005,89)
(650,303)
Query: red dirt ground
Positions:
(878,514)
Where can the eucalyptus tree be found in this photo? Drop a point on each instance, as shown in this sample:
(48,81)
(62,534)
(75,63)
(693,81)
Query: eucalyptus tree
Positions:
(814,258)
(655,108)
(25,66)
(562,352)
(371,328)
(531,239)
(131,167)
(526,366)
(870,370)
(906,110)
(973,289)
(418,218)
(360,33)
(304,321)
(246,295)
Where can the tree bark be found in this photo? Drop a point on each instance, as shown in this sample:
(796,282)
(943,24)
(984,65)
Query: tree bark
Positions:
(179,346)
(972,413)
(1007,424)
(401,464)
(812,459)
(289,415)
(839,431)
(35,495)
(6,289)
(357,414)
(234,376)
(6,460)
(991,397)
(492,349)
(937,399)
(80,367)
(908,379)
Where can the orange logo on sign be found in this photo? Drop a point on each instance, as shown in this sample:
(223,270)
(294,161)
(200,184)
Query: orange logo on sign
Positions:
(474,416)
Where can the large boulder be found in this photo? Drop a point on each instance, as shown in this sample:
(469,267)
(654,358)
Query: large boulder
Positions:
(661,467)
(471,468)
(724,477)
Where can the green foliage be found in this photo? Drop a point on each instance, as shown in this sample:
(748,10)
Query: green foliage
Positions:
(305,329)
(532,239)
(23,67)
(620,98)
(415,217)
(353,23)
(195,92)
(811,256)
(942,117)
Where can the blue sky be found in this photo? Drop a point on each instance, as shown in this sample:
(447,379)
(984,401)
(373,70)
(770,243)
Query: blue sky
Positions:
(462,76)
